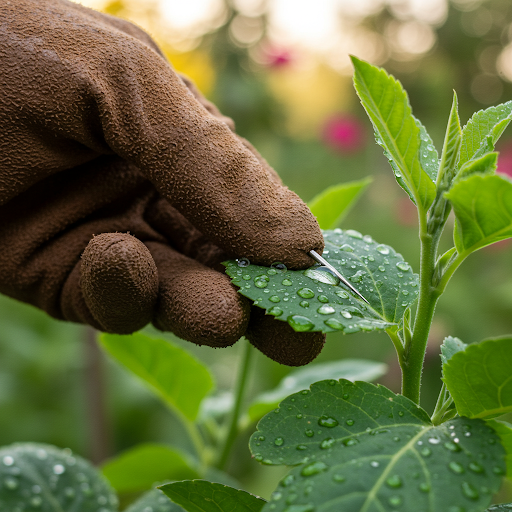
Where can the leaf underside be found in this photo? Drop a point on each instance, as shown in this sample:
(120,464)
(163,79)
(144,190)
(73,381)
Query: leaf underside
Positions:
(361,448)
(451,346)
(479,378)
(312,304)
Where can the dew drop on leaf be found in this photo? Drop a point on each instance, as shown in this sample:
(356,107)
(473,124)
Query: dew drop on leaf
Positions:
(314,468)
(426,452)
(301,447)
(287,480)
(342,294)
(452,446)
(309,433)
(457,468)
(327,421)
(275,311)
(279,441)
(304,304)
(326,309)
(475,467)
(382,249)
(354,234)
(402,265)
(274,298)
(394,481)
(327,443)
(434,440)
(300,323)
(243,262)
(286,282)
(347,248)
(338,478)
(349,422)
(334,324)
(424,487)
(498,470)
(277,265)
(395,501)
(306,293)
(346,314)
(323,299)
(374,464)
(469,491)
(322,275)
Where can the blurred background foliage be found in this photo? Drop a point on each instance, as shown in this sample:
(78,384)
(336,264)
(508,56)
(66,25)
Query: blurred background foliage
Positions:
(280,69)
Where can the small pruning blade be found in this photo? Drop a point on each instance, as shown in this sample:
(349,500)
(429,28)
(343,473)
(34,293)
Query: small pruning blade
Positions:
(325,263)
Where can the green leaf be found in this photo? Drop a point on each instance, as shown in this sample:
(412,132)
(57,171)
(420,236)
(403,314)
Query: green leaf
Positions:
(501,508)
(489,123)
(486,164)
(313,299)
(451,147)
(203,496)
(137,469)
(363,448)
(479,378)
(171,372)
(483,209)
(387,105)
(154,501)
(504,430)
(349,369)
(450,347)
(332,205)
(429,158)
(48,479)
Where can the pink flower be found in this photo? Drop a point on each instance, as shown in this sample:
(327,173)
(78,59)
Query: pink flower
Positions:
(344,133)
(505,159)
(275,58)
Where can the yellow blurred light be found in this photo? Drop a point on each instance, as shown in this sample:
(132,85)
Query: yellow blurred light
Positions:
(504,63)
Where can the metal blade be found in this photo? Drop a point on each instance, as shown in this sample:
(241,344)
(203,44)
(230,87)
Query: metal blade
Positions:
(325,263)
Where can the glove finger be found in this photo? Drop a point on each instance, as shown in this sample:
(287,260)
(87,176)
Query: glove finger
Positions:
(195,302)
(277,340)
(119,282)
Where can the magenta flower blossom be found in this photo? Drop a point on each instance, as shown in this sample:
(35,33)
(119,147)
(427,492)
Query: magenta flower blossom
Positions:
(344,133)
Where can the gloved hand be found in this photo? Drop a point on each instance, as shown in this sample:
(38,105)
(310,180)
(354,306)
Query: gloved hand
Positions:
(106,152)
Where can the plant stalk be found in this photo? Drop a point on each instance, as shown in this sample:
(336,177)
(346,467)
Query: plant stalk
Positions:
(241,383)
(412,366)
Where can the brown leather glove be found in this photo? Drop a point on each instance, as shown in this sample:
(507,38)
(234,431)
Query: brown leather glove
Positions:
(122,189)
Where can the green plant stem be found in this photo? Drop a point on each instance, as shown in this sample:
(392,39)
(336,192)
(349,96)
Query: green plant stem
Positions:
(241,382)
(412,365)
(443,404)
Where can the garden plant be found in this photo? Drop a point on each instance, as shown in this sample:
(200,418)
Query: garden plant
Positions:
(352,446)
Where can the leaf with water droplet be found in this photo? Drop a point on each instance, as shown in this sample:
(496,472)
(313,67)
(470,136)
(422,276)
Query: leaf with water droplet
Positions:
(204,496)
(381,455)
(50,479)
(385,280)
(350,369)
(478,378)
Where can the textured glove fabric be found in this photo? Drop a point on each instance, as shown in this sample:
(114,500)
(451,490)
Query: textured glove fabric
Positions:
(107,152)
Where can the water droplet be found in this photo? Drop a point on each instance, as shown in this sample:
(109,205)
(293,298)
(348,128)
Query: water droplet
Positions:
(304,303)
(314,468)
(291,498)
(498,470)
(260,284)
(374,464)
(426,452)
(358,276)
(276,495)
(327,443)
(304,392)
(383,249)
(382,268)
(345,396)
(354,234)
(286,282)
(279,441)
(346,314)
(347,248)
(323,299)
(424,487)
(327,421)
(396,439)
(338,478)
(402,265)
(8,460)
(309,433)
(456,467)
(469,491)
(11,483)
(322,275)
(275,311)
(401,414)
(475,467)
(326,309)
(301,447)
(277,265)
(342,294)
(306,293)
(394,481)
(300,323)
(300,508)
(287,480)
(274,298)
(243,262)
(453,447)
(334,324)
(395,501)
(434,440)
(258,457)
